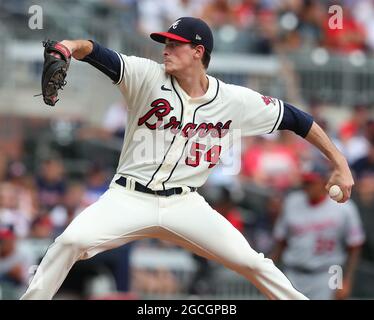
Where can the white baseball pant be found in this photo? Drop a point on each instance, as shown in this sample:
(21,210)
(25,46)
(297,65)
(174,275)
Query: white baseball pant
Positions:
(122,215)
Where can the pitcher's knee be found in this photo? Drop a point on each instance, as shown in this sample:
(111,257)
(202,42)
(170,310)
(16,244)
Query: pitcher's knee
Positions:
(254,262)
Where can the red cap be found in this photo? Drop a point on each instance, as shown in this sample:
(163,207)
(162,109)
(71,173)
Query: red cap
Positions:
(317,172)
(6,234)
(311,177)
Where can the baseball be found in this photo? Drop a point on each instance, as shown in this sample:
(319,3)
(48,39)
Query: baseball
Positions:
(335,193)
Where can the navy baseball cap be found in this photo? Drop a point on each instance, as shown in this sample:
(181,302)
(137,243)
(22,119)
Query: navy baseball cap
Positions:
(188,30)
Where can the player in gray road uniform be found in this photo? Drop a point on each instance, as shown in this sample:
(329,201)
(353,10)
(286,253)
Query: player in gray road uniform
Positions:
(315,233)
(179,124)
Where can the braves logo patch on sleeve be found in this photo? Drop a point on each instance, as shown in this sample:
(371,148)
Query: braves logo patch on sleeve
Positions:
(268,100)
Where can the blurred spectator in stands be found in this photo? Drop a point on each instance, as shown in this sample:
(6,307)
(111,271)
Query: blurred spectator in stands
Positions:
(71,206)
(317,110)
(266,29)
(3,166)
(352,140)
(363,170)
(152,15)
(113,125)
(294,6)
(200,282)
(289,41)
(355,125)
(129,11)
(41,227)
(365,164)
(185,8)
(158,15)
(289,12)
(271,164)
(245,13)
(218,13)
(227,207)
(12,143)
(10,213)
(51,182)
(115,119)
(17,8)
(348,39)
(363,12)
(363,196)
(314,233)
(26,189)
(160,281)
(112,267)
(302,149)
(97,183)
(14,265)
(310,26)
(261,231)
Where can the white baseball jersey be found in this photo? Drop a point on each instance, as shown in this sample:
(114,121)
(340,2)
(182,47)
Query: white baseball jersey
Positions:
(316,235)
(173,140)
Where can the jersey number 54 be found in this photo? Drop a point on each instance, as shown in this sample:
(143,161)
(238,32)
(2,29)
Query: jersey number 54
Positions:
(196,155)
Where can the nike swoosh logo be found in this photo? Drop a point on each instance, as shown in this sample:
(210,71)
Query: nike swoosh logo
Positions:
(164,88)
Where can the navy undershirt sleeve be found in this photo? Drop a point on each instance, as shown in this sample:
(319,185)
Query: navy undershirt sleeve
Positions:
(106,60)
(296,120)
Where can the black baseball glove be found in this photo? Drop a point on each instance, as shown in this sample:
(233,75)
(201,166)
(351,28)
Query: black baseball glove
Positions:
(56,63)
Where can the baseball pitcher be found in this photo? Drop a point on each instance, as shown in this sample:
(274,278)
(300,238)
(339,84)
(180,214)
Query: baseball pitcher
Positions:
(179,124)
